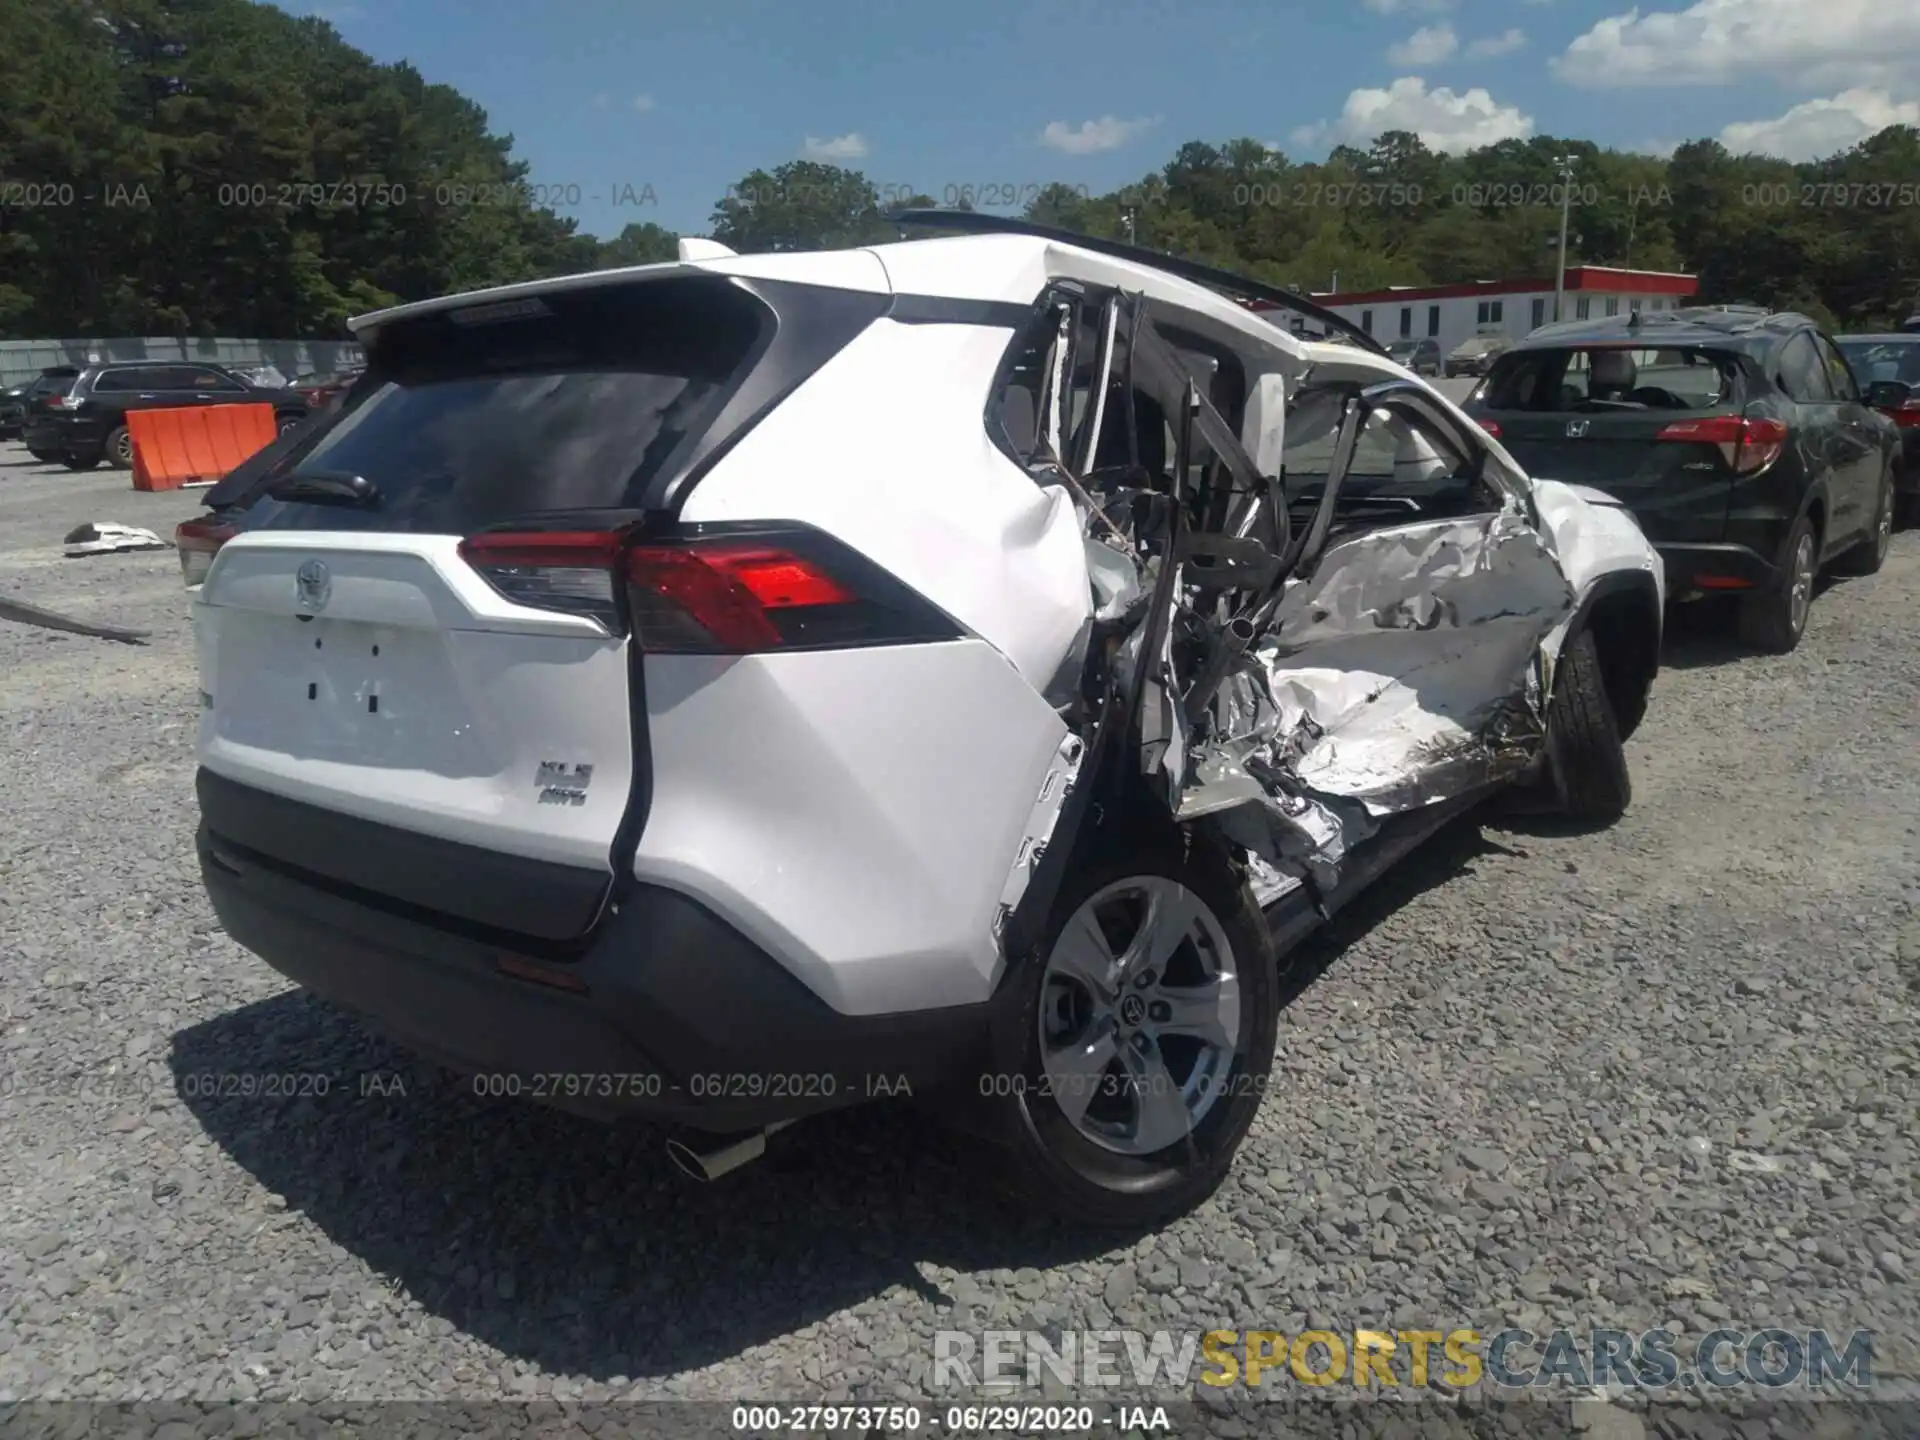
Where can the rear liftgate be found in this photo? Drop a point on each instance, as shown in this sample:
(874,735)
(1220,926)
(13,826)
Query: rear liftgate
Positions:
(1323,694)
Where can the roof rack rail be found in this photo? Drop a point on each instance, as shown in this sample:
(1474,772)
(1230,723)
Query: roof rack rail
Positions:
(1235,287)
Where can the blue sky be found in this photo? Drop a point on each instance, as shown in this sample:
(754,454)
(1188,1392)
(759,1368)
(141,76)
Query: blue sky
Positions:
(667,104)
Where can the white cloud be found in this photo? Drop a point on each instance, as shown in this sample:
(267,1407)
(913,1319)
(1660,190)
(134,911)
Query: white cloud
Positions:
(1090,137)
(851,146)
(1505,43)
(1829,43)
(1428,45)
(1409,7)
(643,103)
(1442,119)
(1818,128)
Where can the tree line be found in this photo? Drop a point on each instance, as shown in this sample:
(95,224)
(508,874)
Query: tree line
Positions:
(203,167)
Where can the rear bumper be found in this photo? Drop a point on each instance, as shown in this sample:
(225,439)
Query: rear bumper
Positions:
(65,433)
(671,1014)
(1694,570)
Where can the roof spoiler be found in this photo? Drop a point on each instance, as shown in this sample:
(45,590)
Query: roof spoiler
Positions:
(1235,287)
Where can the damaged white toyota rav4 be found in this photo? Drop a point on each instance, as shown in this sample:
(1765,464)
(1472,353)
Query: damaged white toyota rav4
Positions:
(725,690)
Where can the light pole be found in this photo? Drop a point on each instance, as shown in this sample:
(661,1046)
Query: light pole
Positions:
(1565,162)
(1126,217)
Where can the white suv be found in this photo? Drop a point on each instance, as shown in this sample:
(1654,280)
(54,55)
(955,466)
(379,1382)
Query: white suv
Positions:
(726,690)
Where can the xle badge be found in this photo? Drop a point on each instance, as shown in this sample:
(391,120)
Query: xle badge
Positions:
(562,784)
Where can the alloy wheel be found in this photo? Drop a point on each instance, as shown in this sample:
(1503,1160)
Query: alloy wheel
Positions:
(1800,597)
(123,450)
(1139,1015)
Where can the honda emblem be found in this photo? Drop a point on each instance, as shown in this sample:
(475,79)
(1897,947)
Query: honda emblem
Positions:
(1575,429)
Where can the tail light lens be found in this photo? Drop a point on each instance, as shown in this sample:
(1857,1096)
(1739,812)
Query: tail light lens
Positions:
(1907,417)
(724,593)
(1492,427)
(198,541)
(61,402)
(570,571)
(1748,445)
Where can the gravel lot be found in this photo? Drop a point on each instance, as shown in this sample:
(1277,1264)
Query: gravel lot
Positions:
(1662,1073)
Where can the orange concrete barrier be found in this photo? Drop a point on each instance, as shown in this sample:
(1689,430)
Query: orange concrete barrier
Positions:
(202,442)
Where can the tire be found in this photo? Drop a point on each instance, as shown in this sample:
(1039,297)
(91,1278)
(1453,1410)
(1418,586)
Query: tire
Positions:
(1134,1181)
(1774,620)
(1870,554)
(1584,751)
(119,448)
(284,423)
(80,462)
(47,457)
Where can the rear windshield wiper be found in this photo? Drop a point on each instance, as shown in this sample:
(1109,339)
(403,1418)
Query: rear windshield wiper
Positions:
(326,487)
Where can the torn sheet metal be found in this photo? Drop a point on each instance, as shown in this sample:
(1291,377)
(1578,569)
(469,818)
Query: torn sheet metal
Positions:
(1403,672)
(1055,787)
(105,537)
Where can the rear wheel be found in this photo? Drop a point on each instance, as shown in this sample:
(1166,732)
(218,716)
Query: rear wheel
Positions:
(119,448)
(1131,1066)
(1588,760)
(1870,554)
(1775,619)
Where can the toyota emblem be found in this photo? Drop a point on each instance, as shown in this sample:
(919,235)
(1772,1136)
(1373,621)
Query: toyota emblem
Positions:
(312,585)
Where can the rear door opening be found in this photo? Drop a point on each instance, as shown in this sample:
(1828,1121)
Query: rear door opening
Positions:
(424,625)
(1662,429)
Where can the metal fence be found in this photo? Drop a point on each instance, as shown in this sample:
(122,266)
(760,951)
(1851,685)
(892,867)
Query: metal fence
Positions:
(23,359)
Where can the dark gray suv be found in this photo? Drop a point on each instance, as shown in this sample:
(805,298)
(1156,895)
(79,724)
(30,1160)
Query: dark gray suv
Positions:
(84,421)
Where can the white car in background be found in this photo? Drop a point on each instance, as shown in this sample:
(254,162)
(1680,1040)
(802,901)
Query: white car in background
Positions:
(726,690)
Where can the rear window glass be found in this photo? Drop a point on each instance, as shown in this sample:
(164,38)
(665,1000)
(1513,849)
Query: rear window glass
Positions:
(1612,378)
(573,401)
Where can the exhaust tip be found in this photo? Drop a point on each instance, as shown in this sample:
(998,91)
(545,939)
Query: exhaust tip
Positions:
(687,1162)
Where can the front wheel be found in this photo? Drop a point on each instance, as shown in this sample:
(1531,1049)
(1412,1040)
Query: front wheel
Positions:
(1870,554)
(1588,760)
(1140,1042)
(1776,618)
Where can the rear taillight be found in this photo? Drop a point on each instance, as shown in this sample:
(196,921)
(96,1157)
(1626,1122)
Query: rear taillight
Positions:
(198,541)
(1492,427)
(730,598)
(61,402)
(730,593)
(570,571)
(1748,445)
(1907,417)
